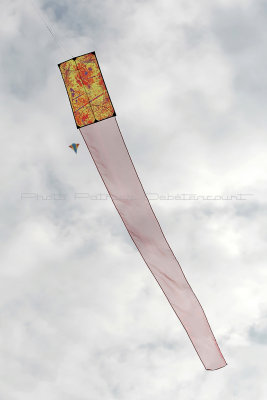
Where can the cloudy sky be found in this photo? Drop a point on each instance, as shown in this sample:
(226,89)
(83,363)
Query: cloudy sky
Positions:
(81,316)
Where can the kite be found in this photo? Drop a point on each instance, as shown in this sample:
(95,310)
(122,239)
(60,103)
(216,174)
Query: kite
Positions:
(74,146)
(95,117)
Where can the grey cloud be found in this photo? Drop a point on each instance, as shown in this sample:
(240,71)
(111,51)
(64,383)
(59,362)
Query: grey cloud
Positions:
(80,312)
(258,332)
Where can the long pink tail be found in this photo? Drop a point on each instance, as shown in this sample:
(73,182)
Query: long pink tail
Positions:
(107,148)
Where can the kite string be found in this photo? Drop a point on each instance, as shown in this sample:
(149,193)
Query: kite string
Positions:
(50,30)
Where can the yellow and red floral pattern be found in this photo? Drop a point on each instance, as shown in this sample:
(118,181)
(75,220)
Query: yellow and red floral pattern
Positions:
(86,89)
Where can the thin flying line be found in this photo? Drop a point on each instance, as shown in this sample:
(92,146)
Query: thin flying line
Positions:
(39,12)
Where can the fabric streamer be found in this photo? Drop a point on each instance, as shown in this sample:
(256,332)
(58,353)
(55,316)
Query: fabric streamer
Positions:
(95,117)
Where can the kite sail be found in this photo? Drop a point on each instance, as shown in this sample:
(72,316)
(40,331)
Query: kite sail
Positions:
(74,147)
(95,118)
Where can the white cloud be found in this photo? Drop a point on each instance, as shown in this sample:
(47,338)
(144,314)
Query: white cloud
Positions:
(81,315)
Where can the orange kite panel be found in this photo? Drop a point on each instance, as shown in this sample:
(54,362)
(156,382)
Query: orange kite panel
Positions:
(88,95)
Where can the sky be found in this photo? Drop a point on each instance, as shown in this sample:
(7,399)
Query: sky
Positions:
(81,315)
